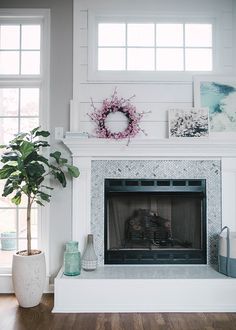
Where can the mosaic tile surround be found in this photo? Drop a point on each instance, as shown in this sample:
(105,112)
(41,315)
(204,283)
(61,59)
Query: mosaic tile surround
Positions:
(157,169)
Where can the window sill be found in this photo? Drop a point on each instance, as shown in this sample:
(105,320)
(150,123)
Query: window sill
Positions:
(147,76)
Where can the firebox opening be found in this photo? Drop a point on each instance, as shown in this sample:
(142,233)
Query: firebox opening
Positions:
(155,221)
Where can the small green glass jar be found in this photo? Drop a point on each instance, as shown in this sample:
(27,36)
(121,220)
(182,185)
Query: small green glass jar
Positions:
(72,259)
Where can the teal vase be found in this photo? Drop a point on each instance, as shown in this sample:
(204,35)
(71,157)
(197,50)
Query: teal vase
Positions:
(72,259)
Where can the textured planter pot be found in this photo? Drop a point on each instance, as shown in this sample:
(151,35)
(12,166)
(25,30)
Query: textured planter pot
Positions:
(29,276)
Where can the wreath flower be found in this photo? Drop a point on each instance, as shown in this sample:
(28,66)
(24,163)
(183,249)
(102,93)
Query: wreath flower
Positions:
(112,105)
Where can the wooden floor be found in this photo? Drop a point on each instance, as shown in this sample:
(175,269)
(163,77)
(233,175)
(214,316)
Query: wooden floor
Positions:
(40,318)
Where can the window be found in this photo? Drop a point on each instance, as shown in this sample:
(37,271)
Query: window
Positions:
(23,94)
(154,47)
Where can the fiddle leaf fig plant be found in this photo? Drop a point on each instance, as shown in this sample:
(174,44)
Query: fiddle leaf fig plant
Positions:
(26,170)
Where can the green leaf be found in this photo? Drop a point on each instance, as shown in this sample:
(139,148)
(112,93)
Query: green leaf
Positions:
(47,187)
(42,133)
(56,155)
(73,171)
(25,189)
(26,148)
(38,202)
(31,157)
(17,198)
(42,159)
(20,136)
(9,156)
(63,161)
(2,146)
(7,191)
(34,130)
(39,181)
(41,144)
(35,170)
(53,167)
(60,176)
(6,171)
(44,196)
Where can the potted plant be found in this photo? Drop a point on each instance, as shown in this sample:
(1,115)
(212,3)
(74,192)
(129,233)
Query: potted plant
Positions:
(26,171)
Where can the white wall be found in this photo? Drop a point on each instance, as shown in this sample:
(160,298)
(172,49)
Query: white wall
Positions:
(156,97)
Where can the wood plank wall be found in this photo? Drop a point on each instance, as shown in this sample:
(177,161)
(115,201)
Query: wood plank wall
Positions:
(155,96)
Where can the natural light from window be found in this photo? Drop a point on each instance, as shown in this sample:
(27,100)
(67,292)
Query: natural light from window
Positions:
(155,47)
(20,48)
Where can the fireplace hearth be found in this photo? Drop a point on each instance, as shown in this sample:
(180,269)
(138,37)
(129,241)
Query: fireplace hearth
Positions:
(151,221)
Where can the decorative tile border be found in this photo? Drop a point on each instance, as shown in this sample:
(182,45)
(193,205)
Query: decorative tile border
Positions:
(160,169)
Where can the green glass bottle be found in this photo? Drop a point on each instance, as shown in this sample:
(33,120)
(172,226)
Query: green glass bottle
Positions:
(72,259)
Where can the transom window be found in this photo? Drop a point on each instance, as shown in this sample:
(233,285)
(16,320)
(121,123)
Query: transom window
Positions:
(154,47)
(23,82)
(20,49)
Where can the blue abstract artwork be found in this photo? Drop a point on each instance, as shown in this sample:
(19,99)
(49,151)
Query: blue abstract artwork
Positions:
(220,98)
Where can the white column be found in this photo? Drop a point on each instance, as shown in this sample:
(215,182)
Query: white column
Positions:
(74,116)
(81,206)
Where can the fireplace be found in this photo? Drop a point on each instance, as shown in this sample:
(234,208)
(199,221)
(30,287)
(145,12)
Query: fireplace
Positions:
(171,181)
(127,288)
(152,221)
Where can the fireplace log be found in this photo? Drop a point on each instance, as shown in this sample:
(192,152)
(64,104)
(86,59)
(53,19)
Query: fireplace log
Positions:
(147,228)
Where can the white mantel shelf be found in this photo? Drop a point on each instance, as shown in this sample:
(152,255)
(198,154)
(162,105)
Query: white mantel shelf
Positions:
(152,148)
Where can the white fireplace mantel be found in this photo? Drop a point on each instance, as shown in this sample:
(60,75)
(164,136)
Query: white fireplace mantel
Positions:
(84,150)
(103,148)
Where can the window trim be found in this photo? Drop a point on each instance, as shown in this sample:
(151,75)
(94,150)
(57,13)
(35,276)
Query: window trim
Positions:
(95,17)
(42,81)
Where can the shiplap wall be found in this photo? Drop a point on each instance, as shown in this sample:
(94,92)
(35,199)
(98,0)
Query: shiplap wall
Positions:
(158,96)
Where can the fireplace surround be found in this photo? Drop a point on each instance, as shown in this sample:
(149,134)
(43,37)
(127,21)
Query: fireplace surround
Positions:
(159,171)
(113,288)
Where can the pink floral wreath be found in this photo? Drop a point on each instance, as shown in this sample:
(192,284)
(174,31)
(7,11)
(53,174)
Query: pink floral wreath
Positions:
(112,105)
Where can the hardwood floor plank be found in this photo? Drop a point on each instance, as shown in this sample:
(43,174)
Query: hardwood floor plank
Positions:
(13,317)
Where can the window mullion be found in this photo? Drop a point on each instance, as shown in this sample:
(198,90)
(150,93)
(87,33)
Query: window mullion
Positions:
(19,105)
(126,46)
(20,49)
(155,47)
(184,47)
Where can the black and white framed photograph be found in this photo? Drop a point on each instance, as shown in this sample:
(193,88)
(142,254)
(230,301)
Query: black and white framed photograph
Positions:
(190,122)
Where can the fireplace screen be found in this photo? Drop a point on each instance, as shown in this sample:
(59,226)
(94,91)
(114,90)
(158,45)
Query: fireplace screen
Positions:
(155,221)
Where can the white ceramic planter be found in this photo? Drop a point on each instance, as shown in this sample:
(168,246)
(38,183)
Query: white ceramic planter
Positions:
(29,276)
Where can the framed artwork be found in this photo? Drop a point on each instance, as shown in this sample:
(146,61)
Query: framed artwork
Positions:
(191,122)
(218,93)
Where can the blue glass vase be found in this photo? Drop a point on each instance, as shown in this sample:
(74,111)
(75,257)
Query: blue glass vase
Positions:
(72,259)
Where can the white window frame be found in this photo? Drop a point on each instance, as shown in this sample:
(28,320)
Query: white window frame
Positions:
(42,17)
(96,17)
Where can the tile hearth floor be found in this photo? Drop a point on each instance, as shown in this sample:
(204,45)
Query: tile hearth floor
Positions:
(150,272)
